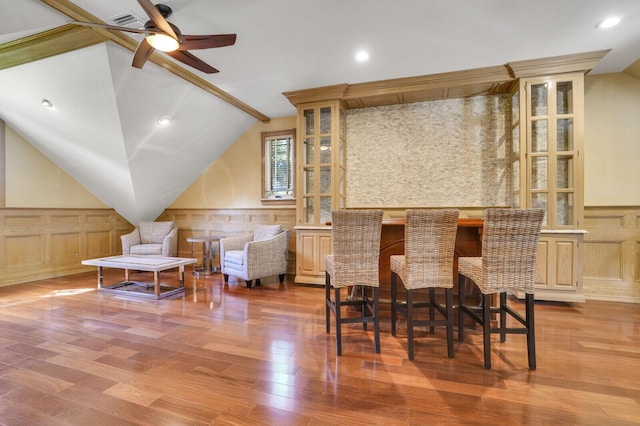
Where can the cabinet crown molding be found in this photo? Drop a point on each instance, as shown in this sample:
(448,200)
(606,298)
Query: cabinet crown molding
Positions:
(492,80)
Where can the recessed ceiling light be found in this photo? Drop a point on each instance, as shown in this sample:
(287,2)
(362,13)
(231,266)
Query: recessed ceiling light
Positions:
(47,103)
(163,120)
(609,22)
(362,56)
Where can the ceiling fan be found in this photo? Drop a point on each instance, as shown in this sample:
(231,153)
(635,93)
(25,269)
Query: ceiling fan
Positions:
(162,35)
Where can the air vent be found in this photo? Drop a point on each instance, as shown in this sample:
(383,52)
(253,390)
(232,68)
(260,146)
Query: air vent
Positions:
(127,19)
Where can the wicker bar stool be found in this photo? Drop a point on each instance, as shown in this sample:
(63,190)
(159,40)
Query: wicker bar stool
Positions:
(509,247)
(355,243)
(427,263)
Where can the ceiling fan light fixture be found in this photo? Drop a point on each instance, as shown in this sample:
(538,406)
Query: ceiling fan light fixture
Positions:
(163,42)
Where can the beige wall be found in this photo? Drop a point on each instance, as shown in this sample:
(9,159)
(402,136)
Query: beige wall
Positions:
(234,180)
(612,140)
(32,180)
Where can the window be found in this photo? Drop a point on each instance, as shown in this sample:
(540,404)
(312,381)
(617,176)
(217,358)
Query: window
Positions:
(278,153)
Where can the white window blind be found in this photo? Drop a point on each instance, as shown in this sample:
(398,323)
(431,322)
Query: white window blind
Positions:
(279,166)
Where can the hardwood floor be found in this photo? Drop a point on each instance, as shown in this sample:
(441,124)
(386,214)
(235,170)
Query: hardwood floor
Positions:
(223,354)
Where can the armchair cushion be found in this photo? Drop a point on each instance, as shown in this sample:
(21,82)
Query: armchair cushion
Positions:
(147,249)
(234,257)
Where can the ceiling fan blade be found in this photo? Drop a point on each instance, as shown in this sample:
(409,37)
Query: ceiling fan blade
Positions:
(143,52)
(157,18)
(187,58)
(108,27)
(191,42)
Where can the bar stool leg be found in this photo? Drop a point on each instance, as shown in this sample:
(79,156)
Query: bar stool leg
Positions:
(448,294)
(531,331)
(394,299)
(410,342)
(461,290)
(486,329)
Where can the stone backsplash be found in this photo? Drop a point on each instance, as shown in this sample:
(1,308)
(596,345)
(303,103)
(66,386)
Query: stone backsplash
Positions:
(453,152)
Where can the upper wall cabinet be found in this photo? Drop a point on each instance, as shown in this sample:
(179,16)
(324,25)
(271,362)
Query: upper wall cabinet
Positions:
(547,172)
(321,185)
(547,133)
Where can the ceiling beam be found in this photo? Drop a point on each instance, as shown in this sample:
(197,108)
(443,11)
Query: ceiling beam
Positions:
(77,13)
(45,44)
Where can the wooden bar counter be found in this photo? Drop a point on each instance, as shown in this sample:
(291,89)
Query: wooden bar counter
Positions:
(468,243)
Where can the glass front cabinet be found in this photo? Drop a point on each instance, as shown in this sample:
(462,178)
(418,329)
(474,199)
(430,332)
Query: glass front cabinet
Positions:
(321,184)
(547,116)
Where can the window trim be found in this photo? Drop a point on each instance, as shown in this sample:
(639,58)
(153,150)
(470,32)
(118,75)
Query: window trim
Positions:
(264,136)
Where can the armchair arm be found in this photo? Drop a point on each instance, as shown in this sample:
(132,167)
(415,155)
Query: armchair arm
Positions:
(170,243)
(130,239)
(268,257)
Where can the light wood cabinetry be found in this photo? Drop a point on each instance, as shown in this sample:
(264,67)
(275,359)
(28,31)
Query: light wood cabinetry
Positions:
(312,245)
(547,166)
(321,183)
(547,116)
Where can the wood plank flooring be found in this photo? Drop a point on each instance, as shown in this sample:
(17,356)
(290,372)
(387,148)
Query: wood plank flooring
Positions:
(223,354)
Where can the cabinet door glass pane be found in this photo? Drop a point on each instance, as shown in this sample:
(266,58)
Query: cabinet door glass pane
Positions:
(564,97)
(539,201)
(325,150)
(325,210)
(538,100)
(309,184)
(515,142)
(565,172)
(564,208)
(309,211)
(308,121)
(515,107)
(308,151)
(325,180)
(565,134)
(539,136)
(539,173)
(325,120)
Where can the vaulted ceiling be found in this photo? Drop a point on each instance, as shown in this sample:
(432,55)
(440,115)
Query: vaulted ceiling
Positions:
(103,131)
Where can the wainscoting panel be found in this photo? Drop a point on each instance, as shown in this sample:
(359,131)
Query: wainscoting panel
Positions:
(23,251)
(228,222)
(99,244)
(65,247)
(612,254)
(45,243)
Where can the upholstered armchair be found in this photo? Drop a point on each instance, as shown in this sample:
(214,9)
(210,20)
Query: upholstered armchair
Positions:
(253,256)
(152,238)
